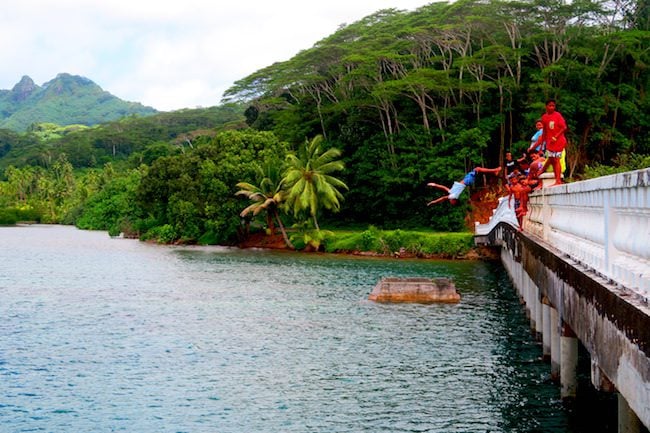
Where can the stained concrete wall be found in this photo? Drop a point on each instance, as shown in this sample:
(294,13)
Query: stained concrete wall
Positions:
(612,324)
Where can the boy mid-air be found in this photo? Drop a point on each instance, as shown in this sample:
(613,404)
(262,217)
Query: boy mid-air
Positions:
(458,187)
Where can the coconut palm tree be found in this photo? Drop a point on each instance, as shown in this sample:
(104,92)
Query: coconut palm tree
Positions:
(308,180)
(266,196)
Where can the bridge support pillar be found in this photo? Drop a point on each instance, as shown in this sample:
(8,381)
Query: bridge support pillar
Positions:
(546,332)
(568,363)
(532,301)
(528,296)
(523,290)
(539,321)
(628,422)
(555,345)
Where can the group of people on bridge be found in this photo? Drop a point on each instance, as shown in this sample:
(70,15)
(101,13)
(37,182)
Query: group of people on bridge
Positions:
(547,149)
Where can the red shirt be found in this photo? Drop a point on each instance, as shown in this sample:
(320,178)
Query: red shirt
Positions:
(554,127)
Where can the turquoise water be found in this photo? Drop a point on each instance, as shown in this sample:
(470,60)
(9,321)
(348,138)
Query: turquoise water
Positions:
(101,334)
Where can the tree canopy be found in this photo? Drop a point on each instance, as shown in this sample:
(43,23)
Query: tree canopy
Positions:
(429,94)
(406,97)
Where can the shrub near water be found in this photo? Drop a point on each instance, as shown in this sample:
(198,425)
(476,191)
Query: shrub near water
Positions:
(418,243)
(12,215)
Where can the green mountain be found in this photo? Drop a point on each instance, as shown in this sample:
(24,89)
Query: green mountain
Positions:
(65,100)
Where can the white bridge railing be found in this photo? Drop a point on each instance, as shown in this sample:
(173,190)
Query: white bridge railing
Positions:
(603,223)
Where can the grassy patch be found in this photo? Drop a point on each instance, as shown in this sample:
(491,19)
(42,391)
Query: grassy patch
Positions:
(417,243)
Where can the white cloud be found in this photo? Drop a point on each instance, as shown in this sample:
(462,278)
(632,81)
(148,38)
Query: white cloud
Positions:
(166,54)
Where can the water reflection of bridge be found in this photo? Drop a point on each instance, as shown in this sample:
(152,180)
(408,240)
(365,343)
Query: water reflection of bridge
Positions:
(582,266)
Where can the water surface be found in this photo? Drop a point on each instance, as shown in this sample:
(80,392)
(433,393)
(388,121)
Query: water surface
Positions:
(101,334)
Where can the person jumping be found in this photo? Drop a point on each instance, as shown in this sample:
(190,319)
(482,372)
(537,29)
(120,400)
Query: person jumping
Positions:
(458,187)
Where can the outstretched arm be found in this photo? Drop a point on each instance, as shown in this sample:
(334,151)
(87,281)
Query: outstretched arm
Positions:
(438,200)
(495,171)
(437,185)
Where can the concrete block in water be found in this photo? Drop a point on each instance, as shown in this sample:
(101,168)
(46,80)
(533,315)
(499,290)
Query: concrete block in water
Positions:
(418,290)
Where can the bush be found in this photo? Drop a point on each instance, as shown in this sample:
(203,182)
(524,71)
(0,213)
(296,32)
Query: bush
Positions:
(208,238)
(8,216)
(164,234)
(12,215)
(369,239)
(622,163)
(346,241)
(393,241)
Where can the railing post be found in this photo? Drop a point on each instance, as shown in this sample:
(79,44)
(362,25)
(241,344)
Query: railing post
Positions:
(608,227)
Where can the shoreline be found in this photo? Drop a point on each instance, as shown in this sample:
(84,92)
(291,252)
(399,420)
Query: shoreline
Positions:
(275,242)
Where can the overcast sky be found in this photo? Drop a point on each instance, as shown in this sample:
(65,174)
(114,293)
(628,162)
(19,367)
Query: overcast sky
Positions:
(168,54)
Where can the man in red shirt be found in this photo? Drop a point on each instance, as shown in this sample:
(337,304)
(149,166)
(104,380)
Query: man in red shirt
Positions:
(553,136)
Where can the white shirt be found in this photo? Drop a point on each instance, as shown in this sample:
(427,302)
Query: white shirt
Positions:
(456,190)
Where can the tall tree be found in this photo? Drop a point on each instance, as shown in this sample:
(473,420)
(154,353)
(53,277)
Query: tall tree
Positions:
(309,182)
(267,195)
(20,183)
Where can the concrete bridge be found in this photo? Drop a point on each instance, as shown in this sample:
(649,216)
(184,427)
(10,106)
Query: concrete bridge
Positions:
(582,267)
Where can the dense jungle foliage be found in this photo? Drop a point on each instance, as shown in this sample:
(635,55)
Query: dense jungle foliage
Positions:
(368,115)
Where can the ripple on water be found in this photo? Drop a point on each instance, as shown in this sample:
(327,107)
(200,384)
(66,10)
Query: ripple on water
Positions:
(102,334)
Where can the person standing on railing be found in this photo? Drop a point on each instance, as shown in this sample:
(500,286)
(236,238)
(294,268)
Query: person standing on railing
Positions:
(553,136)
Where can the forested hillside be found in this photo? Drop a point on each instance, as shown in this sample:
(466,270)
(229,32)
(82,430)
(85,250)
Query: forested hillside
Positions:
(427,95)
(65,100)
(141,139)
(352,129)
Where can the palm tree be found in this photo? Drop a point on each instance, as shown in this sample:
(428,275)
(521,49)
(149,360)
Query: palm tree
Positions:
(267,197)
(308,181)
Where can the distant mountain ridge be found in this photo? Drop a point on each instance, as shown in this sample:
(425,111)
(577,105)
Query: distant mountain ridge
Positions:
(65,100)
